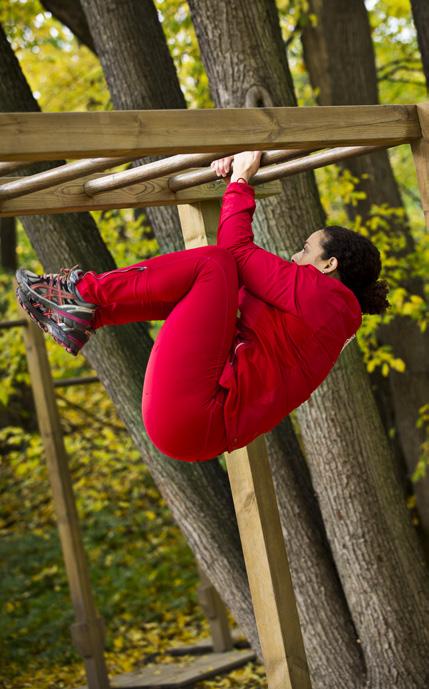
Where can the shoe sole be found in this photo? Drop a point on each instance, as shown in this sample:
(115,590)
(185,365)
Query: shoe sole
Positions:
(48,325)
(29,292)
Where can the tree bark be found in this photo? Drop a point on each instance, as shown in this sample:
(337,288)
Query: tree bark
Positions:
(420,10)
(8,245)
(339,55)
(364,515)
(140,74)
(198,495)
(70,13)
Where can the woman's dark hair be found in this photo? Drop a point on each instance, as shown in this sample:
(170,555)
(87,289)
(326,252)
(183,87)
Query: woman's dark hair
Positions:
(359,265)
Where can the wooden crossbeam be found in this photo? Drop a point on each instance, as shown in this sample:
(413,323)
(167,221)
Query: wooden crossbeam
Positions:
(69,196)
(69,171)
(47,136)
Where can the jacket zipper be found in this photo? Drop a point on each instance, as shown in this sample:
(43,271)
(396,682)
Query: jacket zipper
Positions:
(122,270)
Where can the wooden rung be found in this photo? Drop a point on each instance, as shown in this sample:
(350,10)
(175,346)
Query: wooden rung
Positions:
(69,196)
(285,166)
(48,178)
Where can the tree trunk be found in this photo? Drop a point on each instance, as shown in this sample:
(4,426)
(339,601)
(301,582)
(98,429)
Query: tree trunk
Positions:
(8,245)
(420,10)
(366,521)
(140,74)
(340,58)
(70,13)
(197,494)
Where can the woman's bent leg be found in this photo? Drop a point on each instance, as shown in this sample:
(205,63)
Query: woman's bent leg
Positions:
(144,291)
(197,292)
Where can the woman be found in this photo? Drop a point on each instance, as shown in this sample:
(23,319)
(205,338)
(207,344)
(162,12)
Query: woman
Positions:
(215,381)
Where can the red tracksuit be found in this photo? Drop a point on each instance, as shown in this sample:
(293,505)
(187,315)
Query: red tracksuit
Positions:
(214,382)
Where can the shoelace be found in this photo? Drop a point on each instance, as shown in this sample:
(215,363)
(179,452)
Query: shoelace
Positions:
(57,287)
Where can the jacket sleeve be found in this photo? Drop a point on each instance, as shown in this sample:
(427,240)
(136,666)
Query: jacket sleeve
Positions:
(268,276)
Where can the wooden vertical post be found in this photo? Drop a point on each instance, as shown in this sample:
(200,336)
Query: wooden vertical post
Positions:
(87,631)
(420,149)
(215,612)
(258,520)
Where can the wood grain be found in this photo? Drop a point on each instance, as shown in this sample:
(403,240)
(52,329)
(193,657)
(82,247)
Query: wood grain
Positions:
(267,567)
(69,196)
(87,631)
(420,149)
(47,136)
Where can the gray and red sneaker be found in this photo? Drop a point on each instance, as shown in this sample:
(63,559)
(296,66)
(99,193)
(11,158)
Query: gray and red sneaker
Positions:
(53,302)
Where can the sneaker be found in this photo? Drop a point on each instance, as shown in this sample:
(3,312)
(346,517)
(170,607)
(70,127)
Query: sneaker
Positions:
(53,302)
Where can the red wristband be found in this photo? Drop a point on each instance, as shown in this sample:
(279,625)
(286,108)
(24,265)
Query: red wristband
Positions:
(244,180)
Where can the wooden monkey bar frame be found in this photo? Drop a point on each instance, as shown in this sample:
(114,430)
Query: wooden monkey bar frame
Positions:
(128,135)
(270,170)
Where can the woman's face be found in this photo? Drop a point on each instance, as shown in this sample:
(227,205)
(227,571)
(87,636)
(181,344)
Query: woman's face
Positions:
(311,254)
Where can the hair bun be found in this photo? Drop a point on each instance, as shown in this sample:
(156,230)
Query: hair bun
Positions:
(373,296)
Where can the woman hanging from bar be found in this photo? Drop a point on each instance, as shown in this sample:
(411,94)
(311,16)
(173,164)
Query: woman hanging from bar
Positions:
(215,381)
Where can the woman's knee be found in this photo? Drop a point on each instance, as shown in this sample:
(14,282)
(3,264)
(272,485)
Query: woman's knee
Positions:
(173,440)
(185,436)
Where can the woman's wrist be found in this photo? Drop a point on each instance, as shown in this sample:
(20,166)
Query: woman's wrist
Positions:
(237,177)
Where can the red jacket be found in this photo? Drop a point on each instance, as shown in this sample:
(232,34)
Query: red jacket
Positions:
(294,323)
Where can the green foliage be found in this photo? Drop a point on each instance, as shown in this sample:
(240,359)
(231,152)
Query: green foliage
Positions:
(183,45)
(63,74)
(139,561)
(338,188)
(399,66)
(423,461)
(294,15)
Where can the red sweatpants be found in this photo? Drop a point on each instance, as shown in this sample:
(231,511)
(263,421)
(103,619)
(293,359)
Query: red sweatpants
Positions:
(196,293)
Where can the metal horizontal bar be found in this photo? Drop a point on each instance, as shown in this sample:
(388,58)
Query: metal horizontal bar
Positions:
(83,380)
(62,173)
(13,324)
(144,173)
(47,136)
